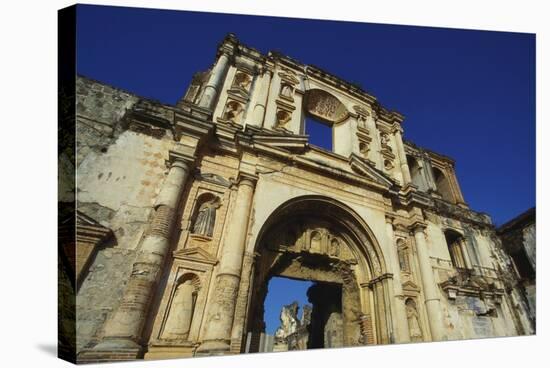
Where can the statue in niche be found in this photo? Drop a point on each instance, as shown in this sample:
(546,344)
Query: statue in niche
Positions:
(180,316)
(283,117)
(403,256)
(206,217)
(334,248)
(385,141)
(364,148)
(233,111)
(286,91)
(315,243)
(362,121)
(415,331)
(242,80)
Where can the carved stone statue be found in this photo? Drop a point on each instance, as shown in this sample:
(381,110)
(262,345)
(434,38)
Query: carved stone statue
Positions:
(385,140)
(283,118)
(242,80)
(286,91)
(415,331)
(233,112)
(180,316)
(334,249)
(206,217)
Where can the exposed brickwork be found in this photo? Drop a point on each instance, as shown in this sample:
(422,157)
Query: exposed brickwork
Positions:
(162,222)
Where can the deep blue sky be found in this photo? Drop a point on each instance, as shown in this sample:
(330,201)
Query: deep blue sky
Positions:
(467,94)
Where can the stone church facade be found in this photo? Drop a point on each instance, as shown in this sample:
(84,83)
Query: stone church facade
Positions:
(186,212)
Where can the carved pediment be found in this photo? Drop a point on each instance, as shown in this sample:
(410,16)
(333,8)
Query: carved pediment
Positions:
(411,287)
(195,254)
(89,230)
(362,167)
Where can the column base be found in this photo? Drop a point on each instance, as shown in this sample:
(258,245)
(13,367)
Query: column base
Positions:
(111,350)
(213,347)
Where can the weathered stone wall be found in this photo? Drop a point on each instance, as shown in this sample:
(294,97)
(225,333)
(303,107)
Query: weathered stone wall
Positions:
(118,176)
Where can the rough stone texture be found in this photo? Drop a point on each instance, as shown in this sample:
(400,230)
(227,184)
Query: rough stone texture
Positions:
(101,292)
(118,176)
(518,237)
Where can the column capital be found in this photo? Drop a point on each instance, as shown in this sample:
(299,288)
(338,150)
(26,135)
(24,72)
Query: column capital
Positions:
(180,159)
(246,179)
(418,226)
(396,128)
(390,219)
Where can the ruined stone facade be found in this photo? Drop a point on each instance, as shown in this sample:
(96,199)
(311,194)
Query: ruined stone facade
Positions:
(518,237)
(186,212)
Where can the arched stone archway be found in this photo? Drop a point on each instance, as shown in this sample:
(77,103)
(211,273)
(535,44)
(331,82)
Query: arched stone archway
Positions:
(319,239)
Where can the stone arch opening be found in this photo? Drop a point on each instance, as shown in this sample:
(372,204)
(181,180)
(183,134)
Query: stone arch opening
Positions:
(443,185)
(318,239)
(454,243)
(416,173)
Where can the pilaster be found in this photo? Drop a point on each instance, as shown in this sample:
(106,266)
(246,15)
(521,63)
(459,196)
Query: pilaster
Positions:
(431,293)
(222,308)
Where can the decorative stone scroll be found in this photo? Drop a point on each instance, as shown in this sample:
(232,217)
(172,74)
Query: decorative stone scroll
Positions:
(325,106)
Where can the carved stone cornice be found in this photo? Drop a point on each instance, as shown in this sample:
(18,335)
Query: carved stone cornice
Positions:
(465,282)
(378,279)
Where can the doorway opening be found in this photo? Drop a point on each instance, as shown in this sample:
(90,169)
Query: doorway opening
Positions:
(300,315)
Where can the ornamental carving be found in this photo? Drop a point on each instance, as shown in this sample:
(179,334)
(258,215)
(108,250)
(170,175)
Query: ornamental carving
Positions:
(242,81)
(233,112)
(415,331)
(315,238)
(206,215)
(325,106)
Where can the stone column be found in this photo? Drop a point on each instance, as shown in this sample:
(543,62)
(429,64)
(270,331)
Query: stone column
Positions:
(429,287)
(402,331)
(382,327)
(123,330)
(402,156)
(215,82)
(222,308)
(465,254)
(237,334)
(258,111)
